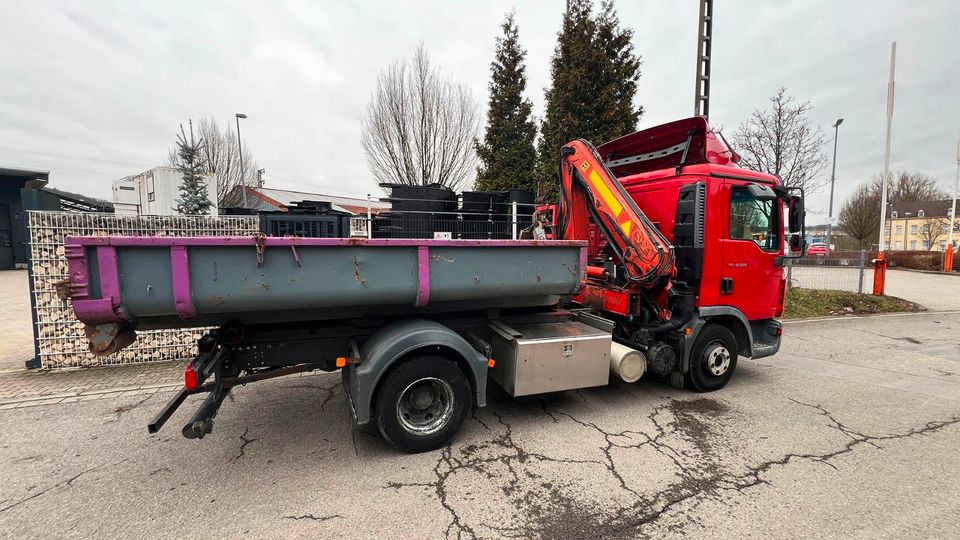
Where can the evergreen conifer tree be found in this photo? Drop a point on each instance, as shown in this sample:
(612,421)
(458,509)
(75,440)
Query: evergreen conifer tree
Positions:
(507,153)
(594,74)
(194,198)
(617,76)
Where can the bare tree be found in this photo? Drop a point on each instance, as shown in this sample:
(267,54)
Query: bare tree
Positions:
(220,156)
(931,229)
(782,141)
(909,186)
(860,215)
(420,126)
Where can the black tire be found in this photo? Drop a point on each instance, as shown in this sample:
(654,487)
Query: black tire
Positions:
(713,359)
(422,403)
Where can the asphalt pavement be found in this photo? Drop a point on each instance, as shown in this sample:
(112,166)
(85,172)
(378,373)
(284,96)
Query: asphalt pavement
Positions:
(852,430)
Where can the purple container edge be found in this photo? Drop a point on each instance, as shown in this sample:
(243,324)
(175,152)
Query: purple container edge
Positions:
(286,241)
(107,309)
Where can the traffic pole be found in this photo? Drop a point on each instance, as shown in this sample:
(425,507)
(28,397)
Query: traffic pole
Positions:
(886,155)
(953,211)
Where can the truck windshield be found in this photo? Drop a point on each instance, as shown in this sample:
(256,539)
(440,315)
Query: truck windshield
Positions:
(753,219)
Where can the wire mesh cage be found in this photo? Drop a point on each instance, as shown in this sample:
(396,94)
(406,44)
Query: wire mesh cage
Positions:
(60,337)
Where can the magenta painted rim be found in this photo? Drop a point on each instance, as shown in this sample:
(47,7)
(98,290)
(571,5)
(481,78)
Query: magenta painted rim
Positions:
(287,241)
(108,307)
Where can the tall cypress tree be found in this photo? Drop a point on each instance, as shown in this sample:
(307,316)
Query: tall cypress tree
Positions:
(568,110)
(594,80)
(507,154)
(617,76)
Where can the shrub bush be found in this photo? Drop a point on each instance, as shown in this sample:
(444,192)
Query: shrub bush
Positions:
(918,260)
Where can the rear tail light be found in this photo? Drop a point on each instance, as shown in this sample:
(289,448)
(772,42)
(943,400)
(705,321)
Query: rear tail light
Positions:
(191,380)
(781,297)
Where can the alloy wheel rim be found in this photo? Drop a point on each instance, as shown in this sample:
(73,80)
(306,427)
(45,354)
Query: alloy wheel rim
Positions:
(425,406)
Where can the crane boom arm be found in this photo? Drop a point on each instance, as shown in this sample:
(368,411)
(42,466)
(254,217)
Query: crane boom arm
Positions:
(589,188)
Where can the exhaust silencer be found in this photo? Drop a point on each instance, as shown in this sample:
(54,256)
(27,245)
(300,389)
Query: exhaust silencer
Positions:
(626,363)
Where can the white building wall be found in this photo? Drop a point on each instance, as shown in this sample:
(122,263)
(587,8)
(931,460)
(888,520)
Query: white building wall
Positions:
(155,192)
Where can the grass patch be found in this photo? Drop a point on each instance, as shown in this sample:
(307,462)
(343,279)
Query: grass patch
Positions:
(803,303)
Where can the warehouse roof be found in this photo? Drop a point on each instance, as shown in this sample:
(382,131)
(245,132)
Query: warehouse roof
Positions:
(281,199)
(32,178)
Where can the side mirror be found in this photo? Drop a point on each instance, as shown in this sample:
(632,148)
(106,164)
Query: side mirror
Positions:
(796,244)
(795,206)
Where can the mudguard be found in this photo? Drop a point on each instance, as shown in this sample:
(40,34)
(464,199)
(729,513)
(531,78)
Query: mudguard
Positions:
(392,342)
(704,315)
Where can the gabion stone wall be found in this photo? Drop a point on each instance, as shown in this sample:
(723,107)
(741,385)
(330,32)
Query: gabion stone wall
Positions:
(61,340)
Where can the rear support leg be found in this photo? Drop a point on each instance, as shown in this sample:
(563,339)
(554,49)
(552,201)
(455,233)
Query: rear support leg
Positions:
(202,421)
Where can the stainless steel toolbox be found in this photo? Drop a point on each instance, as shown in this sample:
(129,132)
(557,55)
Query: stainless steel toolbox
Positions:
(549,357)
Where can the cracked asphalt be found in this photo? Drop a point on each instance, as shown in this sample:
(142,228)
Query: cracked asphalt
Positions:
(852,430)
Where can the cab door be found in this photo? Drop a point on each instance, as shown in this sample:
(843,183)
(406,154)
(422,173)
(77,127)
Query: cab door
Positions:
(751,271)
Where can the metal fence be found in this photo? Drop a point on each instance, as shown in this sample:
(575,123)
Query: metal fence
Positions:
(840,271)
(60,340)
(463,220)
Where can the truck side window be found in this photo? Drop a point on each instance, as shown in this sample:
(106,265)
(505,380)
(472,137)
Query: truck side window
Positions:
(752,219)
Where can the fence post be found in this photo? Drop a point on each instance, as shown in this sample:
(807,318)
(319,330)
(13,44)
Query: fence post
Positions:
(35,362)
(789,273)
(863,268)
(513,218)
(369,220)
(879,274)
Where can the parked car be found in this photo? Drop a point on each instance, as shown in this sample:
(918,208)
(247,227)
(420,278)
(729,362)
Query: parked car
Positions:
(819,249)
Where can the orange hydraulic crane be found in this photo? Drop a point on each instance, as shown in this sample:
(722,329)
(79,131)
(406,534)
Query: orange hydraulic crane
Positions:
(589,188)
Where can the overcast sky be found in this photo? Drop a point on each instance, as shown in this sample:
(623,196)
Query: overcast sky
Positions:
(94,91)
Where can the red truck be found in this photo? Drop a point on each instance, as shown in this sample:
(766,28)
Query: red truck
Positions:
(665,258)
(724,227)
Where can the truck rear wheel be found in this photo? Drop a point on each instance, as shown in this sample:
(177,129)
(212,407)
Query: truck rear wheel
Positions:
(713,358)
(422,403)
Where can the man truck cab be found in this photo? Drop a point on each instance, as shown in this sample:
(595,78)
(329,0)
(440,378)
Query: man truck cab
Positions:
(726,228)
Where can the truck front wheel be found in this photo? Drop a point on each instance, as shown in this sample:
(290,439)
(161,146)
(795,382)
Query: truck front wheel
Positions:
(422,403)
(713,358)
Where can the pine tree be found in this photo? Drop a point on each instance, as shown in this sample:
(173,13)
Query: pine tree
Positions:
(194,199)
(507,154)
(594,80)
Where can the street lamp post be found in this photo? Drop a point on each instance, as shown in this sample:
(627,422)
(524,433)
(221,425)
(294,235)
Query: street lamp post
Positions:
(243,176)
(833,175)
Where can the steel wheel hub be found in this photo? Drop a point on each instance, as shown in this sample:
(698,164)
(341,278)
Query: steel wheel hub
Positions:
(718,359)
(425,406)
